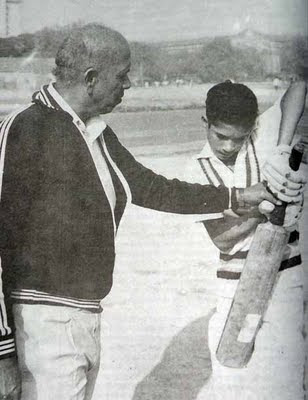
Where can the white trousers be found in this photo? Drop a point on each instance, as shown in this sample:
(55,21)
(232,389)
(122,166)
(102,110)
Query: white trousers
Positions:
(58,351)
(276,368)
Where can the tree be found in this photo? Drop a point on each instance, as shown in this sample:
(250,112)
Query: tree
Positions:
(18,46)
(293,57)
(144,62)
(221,61)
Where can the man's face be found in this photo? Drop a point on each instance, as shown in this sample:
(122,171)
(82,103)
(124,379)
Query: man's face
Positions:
(227,140)
(109,85)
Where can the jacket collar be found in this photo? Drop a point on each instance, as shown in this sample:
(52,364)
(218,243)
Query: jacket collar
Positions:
(51,98)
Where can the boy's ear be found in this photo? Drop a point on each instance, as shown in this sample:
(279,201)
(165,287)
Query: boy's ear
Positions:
(255,125)
(204,120)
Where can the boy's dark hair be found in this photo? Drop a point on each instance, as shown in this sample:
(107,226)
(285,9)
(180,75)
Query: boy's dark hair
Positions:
(232,104)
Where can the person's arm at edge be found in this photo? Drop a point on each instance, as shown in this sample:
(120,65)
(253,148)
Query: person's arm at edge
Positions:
(292,106)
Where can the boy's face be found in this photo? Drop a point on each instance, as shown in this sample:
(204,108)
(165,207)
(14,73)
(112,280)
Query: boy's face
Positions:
(227,140)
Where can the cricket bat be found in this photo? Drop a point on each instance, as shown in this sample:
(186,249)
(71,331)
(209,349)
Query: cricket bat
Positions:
(260,270)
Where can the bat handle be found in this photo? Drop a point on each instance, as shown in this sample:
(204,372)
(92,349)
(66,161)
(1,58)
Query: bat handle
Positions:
(277,216)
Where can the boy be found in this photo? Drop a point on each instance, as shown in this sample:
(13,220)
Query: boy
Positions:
(238,144)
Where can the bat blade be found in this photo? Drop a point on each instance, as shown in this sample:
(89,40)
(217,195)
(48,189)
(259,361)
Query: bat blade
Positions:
(252,295)
(265,255)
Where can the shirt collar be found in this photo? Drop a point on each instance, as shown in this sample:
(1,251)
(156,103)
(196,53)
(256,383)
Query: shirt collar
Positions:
(94,126)
(206,152)
(65,106)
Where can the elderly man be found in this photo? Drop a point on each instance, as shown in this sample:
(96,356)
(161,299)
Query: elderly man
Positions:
(66,182)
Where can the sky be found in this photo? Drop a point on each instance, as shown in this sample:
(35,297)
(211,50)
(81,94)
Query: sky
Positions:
(157,20)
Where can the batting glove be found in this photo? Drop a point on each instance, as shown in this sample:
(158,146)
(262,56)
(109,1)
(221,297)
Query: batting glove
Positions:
(286,184)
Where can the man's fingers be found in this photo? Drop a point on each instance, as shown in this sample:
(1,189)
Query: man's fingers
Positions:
(269,197)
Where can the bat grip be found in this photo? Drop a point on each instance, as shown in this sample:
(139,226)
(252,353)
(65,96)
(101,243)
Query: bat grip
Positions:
(277,216)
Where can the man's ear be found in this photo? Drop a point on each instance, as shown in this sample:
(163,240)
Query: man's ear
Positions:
(90,77)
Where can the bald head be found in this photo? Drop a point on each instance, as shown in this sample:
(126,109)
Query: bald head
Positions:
(91,46)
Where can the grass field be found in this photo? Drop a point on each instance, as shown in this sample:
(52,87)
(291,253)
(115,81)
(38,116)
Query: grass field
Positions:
(148,99)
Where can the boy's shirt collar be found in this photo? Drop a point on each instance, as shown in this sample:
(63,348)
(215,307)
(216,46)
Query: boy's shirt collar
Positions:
(246,170)
(206,152)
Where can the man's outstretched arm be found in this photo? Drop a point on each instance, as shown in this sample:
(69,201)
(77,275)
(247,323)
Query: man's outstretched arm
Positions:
(154,191)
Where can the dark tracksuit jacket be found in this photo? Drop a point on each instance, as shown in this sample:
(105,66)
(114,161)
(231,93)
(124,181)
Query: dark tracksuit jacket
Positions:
(57,231)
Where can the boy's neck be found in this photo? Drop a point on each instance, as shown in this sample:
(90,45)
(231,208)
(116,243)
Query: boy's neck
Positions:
(230,163)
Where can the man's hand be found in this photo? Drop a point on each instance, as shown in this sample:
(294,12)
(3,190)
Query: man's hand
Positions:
(10,383)
(284,183)
(254,195)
